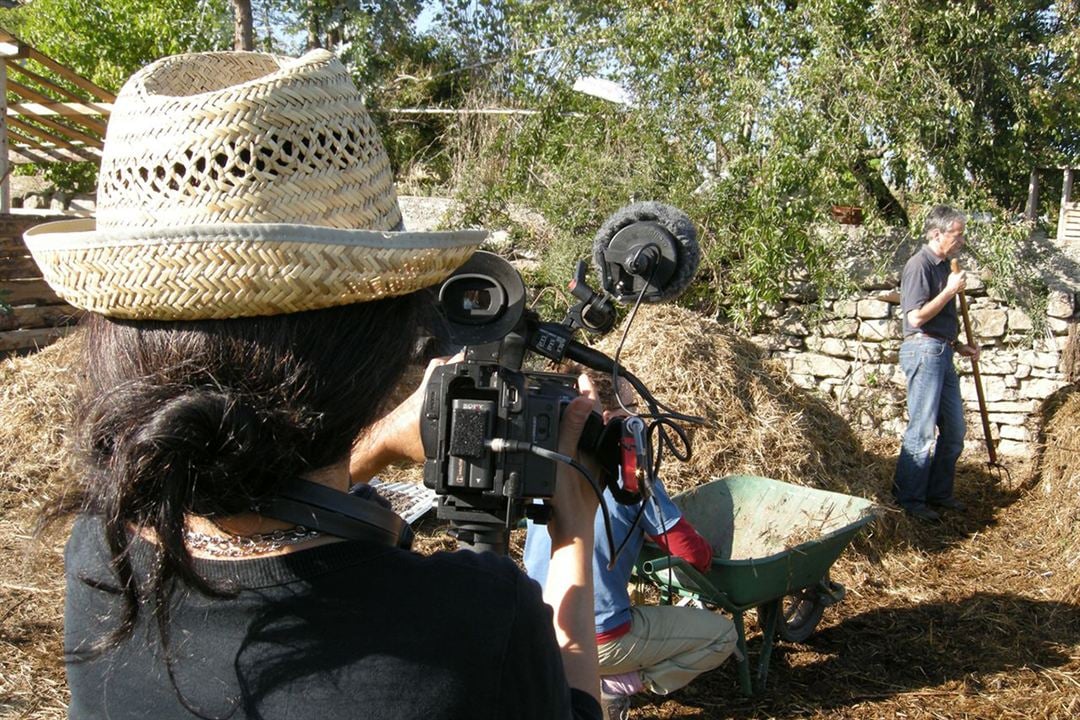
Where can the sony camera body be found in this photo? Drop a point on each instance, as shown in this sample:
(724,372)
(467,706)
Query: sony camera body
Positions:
(485,419)
(473,402)
(488,427)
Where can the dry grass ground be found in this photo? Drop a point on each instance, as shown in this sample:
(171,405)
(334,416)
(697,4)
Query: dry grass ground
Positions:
(978,617)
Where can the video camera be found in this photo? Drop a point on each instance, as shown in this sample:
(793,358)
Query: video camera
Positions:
(489,428)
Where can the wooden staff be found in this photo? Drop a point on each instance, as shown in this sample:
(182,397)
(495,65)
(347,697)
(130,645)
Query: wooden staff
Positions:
(975,372)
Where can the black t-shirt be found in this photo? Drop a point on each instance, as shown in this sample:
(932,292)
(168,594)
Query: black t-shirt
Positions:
(925,276)
(345,630)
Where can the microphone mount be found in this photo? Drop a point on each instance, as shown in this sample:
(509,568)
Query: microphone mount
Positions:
(594,311)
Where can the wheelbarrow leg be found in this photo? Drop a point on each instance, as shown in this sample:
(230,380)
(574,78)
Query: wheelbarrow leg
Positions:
(768,635)
(744,656)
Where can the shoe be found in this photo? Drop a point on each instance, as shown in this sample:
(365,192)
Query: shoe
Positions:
(615,707)
(921,512)
(949,504)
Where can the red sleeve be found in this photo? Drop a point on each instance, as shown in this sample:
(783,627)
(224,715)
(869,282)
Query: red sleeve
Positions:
(683,540)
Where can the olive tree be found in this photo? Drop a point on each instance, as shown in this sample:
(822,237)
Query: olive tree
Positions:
(760,116)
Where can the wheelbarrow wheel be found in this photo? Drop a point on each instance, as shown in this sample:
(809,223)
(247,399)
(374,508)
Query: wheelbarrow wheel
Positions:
(801,613)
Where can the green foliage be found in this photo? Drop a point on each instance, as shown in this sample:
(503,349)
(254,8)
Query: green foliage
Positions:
(78,177)
(754,117)
(999,243)
(107,40)
(422,76)
(395,68)
(757,117)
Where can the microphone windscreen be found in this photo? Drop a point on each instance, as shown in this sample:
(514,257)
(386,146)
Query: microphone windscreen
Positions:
(676,223)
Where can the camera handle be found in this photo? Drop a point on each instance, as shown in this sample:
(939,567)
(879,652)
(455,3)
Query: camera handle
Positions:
(480,537)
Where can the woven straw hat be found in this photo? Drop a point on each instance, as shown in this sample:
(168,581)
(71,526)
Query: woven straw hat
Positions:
(235,184)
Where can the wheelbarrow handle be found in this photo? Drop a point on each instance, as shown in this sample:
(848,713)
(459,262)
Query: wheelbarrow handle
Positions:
(680,574)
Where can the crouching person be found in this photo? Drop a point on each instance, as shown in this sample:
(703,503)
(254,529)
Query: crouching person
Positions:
(654,648)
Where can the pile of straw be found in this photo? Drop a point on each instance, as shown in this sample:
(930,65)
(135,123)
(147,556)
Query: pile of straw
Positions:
(757,421)
(977,617)
(1058,488)
(35,409)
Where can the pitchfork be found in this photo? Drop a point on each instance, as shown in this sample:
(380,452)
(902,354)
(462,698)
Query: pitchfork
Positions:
(993,463)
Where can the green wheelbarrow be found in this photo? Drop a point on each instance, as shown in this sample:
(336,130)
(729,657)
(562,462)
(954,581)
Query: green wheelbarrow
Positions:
(773,545)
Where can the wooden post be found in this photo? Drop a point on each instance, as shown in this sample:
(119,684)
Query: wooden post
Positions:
(1066,197)
(5,167)
(1031,213)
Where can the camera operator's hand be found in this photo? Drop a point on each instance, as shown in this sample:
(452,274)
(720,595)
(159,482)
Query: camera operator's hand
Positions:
(395,437)
(569,586)
(574,503)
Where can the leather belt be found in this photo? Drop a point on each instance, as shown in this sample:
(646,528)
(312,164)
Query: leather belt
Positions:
(931,336)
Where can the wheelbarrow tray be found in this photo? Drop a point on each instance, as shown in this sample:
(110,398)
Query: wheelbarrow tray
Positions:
(769,539)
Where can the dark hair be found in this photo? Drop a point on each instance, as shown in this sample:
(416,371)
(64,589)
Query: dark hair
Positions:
(209,417)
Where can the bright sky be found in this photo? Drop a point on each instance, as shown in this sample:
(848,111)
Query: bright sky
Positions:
(423,22)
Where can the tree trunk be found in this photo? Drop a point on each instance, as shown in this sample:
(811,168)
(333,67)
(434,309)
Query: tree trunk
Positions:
(242,35)
(872,182)
(314,27)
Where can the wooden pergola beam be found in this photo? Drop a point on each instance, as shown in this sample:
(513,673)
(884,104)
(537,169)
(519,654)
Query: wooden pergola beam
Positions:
(10,49)
(32,130)
(20,50)
(70,109)
(21,155)
(36,137)
(98,92)
(5,163)
(23,139)
(80,117)
(48,151)
(60,90)
(65,130)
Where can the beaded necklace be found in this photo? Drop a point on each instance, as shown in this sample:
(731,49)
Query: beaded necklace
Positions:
(243,545)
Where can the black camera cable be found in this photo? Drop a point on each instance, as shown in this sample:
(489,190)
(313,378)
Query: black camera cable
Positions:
(499,445)
(662,416)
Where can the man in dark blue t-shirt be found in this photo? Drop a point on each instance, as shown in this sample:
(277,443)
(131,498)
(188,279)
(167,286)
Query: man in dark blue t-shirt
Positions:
(935,433)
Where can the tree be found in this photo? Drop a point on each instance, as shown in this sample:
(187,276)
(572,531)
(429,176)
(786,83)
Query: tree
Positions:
(760,115)
(106,41)
(243,37)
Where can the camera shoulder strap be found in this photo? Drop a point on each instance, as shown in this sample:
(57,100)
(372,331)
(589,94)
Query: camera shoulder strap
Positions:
(336,513)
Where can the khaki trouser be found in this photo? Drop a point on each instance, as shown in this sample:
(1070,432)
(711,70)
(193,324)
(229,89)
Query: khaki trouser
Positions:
(669,645)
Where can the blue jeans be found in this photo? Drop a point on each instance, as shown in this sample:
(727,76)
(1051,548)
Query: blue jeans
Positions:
(924,472)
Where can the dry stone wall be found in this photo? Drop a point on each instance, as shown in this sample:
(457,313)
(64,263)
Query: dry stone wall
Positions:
(850,354)
(849,351)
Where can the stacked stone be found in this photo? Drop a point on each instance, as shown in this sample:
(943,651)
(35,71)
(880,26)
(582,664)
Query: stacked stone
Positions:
(851,355)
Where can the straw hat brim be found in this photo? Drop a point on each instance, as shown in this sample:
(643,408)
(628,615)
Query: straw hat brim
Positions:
(237,270)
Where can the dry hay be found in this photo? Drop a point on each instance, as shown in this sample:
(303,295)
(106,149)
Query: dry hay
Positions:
(36,394)
(34,411)
(976,618)
(1056,502)
(757,421)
